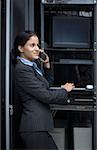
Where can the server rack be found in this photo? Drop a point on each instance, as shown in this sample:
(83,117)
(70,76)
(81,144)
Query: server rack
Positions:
(59,8)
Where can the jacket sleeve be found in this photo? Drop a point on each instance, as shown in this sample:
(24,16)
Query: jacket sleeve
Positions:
(30,84)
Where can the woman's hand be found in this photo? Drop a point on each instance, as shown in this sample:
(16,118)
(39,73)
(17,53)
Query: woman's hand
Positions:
(68,87)
(46,60)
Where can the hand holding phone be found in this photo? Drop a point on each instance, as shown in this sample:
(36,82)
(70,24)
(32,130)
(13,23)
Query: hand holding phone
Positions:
(44,58)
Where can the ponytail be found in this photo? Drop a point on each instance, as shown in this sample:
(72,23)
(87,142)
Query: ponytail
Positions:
(14,53)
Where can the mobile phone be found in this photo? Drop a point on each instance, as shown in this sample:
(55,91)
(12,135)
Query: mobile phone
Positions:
(42,56)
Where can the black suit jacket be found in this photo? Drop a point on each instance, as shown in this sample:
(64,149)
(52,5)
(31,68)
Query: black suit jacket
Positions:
(33,91)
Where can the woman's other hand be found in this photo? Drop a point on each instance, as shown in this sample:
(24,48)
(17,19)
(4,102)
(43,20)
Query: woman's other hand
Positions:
(68,86)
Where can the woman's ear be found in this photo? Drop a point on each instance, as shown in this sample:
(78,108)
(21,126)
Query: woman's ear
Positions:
(20,49)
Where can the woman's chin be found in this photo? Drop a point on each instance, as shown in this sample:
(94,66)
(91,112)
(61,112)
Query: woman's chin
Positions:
(37,57)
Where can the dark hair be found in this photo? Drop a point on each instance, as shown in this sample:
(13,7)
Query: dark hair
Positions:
(21,40)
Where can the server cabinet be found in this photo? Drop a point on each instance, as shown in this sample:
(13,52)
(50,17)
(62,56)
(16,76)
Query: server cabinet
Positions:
(10,13)
(21,18)
(68,36)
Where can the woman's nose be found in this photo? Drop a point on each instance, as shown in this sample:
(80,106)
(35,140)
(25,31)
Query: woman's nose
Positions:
(37,48)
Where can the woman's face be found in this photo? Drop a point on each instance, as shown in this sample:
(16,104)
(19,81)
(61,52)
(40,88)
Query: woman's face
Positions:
(30,50)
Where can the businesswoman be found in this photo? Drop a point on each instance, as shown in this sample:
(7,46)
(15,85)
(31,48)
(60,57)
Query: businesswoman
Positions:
(34,94)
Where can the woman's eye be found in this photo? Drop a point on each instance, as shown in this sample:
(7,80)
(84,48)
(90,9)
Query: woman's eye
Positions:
(33,45)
